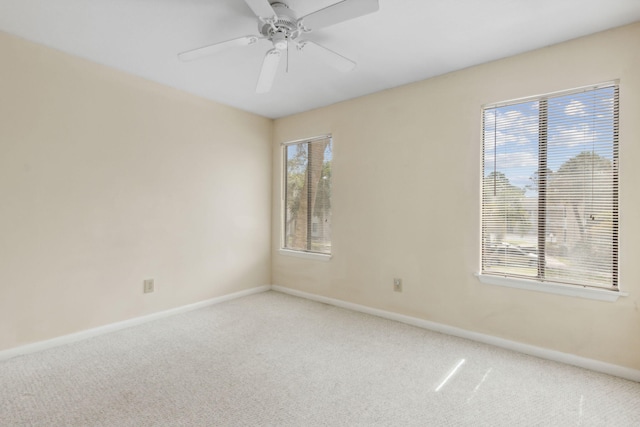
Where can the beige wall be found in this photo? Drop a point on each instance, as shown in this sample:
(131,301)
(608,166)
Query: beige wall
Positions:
(406,176)
(106,180)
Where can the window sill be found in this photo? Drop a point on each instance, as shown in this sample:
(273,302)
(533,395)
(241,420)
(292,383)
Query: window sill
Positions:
(559,289)
(307,255)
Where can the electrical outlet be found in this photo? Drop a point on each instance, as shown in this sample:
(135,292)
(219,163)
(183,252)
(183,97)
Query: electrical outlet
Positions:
(148,286)
(397,285)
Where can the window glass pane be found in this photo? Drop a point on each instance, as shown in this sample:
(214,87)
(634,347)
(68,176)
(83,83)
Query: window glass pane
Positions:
(510,193)
(580,197)
(321,194)
(549,191)
(296,198)
(308,196)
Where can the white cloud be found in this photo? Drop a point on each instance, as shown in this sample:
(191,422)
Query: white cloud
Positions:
(510,127)
(575,108)
(571,136)
(512,160)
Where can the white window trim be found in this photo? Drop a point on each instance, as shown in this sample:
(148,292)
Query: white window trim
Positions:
(552,288)
(580,291)
(308,255)
(580,89)
(283,170)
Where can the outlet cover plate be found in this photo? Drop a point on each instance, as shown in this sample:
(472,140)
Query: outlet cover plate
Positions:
(149,286)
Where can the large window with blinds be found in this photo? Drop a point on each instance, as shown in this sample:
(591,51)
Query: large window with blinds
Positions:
(550,188)
(307,195)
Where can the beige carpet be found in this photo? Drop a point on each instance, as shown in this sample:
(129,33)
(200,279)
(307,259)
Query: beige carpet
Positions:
(275,360)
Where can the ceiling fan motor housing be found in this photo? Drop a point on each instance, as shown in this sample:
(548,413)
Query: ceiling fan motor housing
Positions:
(283,29)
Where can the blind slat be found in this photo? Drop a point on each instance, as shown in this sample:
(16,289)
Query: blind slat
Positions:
(550,188)
(307,195)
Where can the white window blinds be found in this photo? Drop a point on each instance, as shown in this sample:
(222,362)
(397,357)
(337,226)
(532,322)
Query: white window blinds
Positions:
(550,188)
(307,195)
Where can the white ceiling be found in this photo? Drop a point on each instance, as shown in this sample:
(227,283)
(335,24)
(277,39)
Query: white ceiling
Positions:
(405,41)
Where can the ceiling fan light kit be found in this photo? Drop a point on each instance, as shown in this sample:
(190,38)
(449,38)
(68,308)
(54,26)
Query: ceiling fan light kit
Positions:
(280,25)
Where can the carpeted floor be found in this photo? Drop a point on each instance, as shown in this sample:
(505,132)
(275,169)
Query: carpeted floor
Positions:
(271,359)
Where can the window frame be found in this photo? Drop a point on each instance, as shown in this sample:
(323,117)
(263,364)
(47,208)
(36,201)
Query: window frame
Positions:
(283,250)
(543,284)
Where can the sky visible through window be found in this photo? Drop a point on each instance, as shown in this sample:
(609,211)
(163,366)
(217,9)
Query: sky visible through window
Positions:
(569,140)
(511,134)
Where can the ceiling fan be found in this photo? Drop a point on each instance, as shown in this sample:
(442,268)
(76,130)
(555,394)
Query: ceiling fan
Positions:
(280,25)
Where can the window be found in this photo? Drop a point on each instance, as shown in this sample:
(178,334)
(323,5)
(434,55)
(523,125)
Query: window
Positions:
(550,188)
(307,195)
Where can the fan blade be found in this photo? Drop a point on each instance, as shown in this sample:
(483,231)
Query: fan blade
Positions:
(339,12)
(324,54)
(190,55)
(268,72)
(262,8)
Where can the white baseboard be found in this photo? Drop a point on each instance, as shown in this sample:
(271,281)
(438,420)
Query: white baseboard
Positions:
(89,333)
(543,353)
(557,356)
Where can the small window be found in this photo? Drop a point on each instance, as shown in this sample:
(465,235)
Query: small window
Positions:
(307,195)
(550,188)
